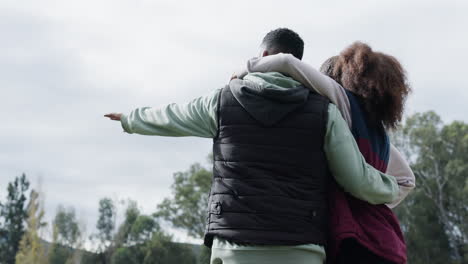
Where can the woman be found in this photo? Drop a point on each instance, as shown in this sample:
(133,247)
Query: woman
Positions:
(371,101)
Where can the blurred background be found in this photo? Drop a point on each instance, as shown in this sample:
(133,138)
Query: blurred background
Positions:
(64,64)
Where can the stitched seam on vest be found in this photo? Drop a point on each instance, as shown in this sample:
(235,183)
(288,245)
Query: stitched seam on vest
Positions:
(259,178)
(308,129)
(301,148)
(314,231)
(279,242)
(314,201)
(314,204)
(304,112)
(300,216)
(263,162)
(287,180)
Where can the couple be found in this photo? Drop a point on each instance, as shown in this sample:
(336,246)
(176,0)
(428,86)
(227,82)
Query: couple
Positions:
(303,168)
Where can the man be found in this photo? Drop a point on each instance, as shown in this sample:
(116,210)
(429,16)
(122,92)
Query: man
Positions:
(276,145)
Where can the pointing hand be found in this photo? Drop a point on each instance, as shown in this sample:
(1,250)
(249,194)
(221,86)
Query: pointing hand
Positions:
(114,116)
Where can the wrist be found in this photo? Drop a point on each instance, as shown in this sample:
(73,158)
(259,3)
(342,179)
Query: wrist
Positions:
(125,124)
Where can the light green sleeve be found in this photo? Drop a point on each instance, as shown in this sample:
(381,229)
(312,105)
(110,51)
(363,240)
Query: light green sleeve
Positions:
(349,167)
(196,118)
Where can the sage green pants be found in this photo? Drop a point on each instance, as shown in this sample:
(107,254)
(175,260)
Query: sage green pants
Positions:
(290,256)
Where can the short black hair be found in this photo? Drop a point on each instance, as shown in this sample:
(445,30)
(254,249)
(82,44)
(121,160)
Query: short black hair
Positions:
(284,40)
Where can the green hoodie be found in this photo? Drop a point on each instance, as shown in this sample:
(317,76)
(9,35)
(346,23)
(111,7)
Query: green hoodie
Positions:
(199,118)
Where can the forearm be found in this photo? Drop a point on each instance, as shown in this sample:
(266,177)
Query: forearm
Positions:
(400,169)
(196,118)
(349,167)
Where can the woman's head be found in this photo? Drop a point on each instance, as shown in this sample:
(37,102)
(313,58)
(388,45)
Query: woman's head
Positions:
(378,78)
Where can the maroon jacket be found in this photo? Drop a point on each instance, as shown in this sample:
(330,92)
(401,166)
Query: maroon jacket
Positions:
(375,227)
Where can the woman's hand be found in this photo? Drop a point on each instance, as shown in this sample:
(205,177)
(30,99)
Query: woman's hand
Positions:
(234,76)
(114,116)
(240,74)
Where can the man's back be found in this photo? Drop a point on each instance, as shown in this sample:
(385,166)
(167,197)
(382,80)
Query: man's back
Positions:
(270,170)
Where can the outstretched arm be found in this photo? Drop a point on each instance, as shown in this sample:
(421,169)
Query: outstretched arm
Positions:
(349,167)
(195,118)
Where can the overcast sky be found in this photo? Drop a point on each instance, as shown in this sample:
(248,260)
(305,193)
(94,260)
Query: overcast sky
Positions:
(63,64)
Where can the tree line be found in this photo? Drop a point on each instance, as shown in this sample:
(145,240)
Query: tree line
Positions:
(433,217)
(138,239)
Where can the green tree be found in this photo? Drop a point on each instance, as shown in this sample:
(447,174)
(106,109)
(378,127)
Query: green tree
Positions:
(31,250)
(161,250)
(126,255)
(123,234)
(136,228)
(13,214)
(143,229)
(105,226)
(59,254)
(127,249)
(140,240)
(66,224)
(66,236)
(106,221)
(186,209)
(205,255)
(434,216)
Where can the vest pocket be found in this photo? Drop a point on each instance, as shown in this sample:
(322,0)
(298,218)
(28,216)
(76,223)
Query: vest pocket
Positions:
(215,208)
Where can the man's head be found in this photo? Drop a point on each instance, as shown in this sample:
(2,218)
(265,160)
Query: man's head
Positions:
(282,40)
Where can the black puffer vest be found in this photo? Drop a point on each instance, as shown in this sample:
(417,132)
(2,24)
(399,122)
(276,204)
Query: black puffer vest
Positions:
(269,185)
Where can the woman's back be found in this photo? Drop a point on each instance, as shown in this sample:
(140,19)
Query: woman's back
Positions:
(359,230)
(376,88)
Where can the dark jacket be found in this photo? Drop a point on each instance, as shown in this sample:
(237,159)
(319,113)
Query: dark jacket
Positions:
(270,170)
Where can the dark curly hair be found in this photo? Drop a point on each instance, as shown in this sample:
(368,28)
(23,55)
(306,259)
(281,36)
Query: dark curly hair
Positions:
(377,78)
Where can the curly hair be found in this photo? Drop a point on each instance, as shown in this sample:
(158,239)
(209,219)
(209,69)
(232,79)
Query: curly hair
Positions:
(377,78)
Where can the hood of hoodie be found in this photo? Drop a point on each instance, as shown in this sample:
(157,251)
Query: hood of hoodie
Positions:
(268,97)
